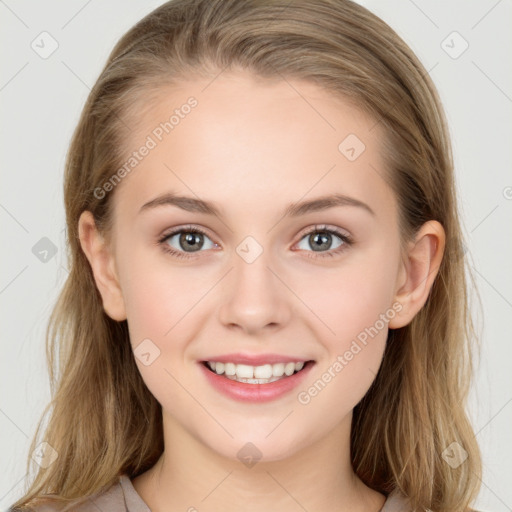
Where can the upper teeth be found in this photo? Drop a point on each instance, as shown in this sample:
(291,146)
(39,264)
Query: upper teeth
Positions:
(246,371)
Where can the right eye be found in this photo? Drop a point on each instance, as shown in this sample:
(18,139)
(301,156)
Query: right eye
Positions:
(183,239)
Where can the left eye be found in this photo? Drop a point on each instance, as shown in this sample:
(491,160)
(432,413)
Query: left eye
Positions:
(321,239)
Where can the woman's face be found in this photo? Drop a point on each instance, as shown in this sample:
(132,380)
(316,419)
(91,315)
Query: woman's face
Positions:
(265,278)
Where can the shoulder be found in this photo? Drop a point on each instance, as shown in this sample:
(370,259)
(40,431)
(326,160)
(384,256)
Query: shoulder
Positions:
(397,502)
(112,500)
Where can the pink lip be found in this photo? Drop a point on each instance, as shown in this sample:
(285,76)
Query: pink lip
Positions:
(255,360)
(257,393)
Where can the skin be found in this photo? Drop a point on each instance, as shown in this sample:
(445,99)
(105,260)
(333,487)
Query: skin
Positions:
(253,147)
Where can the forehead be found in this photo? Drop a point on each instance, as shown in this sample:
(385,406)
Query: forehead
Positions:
(239,137)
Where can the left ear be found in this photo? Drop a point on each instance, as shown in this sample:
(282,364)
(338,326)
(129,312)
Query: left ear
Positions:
(418,271)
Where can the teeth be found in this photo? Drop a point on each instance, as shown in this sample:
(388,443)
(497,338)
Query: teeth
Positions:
(248,373)
(289,368)
(262,372)
(229,368)
(278,369)
(243,371)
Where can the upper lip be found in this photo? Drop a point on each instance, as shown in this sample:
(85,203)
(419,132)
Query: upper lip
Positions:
(255,359)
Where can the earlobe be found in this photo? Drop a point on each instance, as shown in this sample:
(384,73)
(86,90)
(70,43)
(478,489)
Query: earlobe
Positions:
(102,263)
(418,271)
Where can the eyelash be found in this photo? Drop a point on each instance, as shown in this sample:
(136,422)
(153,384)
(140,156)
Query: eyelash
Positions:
(346,239)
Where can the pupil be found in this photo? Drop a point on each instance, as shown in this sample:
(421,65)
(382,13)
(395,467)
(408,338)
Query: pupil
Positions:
(191,238)
(320,241)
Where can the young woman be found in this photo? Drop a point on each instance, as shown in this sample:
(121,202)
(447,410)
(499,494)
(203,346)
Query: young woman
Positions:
(267,304)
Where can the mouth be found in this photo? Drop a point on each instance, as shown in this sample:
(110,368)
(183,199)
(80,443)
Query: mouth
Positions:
(262,374)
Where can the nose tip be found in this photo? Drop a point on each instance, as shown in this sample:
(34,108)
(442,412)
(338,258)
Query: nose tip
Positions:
(253,296)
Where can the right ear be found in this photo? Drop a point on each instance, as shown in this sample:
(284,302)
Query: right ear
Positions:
(102,263)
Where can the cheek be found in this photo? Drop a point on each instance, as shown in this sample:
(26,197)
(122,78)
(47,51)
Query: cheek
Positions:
(157,294)
(349,299)
(159,301)
(354,304)
(162,303)
(356,309)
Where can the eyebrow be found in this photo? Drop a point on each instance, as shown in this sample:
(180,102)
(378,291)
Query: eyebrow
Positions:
(194,205)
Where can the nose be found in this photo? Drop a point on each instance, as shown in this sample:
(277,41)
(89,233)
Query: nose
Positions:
(255,297)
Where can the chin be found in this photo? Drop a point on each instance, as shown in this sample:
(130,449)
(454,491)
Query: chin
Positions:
(251,450)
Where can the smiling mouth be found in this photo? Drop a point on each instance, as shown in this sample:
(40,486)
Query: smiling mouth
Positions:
(263,374)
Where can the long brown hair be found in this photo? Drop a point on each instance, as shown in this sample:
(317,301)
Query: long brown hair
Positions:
(104,421)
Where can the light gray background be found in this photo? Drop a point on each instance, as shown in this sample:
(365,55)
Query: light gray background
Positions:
(41,100)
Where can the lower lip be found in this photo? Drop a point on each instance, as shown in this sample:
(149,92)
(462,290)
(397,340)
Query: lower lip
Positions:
(244,392)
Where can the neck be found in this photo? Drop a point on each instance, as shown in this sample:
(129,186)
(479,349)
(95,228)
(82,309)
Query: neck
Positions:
(190,476)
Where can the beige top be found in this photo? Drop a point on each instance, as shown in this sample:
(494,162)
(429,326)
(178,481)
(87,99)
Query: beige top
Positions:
(122,497)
